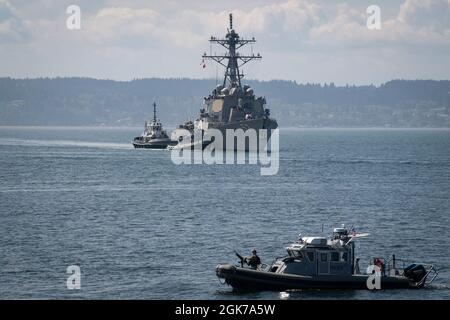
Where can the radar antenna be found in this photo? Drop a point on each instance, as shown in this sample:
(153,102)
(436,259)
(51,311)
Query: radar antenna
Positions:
(231,43)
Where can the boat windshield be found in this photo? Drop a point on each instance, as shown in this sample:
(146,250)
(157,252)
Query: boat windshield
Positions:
(295,254)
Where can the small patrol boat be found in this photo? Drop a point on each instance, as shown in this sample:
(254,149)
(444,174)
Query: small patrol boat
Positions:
(153,137)
(192,142)
(321,263)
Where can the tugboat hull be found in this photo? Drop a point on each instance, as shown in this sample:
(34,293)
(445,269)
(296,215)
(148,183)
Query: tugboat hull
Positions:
(150,146)
(153,144)
(249,279)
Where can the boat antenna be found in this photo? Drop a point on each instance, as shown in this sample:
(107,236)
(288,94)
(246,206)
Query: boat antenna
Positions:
(154,111)
(217,74)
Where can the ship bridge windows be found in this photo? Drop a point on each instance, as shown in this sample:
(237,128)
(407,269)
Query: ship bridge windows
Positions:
(310,255)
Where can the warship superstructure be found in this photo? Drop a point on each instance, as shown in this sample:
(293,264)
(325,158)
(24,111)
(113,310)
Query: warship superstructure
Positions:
(154,136)
(231,105)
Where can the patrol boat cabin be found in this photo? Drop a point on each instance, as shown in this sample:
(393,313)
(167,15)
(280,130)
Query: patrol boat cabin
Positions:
(319,256)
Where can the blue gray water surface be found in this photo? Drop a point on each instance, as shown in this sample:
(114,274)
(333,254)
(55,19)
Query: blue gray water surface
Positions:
(141,227)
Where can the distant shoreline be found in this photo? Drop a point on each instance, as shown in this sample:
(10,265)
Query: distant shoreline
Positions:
(87,102)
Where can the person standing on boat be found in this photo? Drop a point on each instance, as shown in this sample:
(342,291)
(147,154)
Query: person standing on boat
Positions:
(254,261)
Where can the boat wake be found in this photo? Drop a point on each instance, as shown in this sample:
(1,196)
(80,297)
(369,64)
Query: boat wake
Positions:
(65,143)
(439,286)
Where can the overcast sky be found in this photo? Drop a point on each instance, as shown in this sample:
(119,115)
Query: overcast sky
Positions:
(306,41)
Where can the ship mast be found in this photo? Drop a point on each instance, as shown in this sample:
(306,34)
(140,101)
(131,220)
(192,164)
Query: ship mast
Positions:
(232,42)
(154,111)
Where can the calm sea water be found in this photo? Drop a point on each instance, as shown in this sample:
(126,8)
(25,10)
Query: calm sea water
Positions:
(141,227)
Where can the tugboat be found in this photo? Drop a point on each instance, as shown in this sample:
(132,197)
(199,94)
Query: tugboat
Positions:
(231,105)
(321,263)
(153,137)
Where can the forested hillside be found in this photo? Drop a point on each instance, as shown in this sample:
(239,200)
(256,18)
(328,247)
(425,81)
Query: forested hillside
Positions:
(84,101)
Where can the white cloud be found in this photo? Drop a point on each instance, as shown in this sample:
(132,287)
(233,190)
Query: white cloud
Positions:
(423,22)
(344,26)
(291,17)
(12,27)
(189,27)
(420,23)
(114,24)
(118,38)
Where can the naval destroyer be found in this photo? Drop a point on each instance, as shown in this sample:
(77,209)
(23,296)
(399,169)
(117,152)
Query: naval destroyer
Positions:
(231,105)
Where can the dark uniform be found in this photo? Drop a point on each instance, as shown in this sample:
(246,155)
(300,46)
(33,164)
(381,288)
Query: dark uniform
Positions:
(254,261)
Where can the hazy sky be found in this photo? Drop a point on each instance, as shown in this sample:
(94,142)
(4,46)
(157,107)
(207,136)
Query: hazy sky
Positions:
(306,41)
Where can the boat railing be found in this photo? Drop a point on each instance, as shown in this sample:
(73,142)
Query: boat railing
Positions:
(392,266)
(432,271)
(396,266)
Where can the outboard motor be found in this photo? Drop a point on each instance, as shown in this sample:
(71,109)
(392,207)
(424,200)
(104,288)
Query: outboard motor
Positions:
(415,272)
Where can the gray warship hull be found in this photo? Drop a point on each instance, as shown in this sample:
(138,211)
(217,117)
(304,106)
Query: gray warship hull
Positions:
(205,135)
(256,125)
